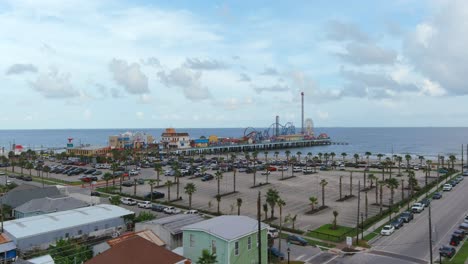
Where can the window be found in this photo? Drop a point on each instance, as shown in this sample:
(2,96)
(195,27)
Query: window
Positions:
(192,240)
(213,246)
(236,248)
(249,243)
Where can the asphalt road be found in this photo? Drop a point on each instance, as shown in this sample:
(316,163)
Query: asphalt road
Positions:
(412,240)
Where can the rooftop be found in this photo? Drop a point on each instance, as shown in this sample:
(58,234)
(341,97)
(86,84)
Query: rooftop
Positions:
(42,224)
(25,193)
(146,234)
(175,223)
(227,227)
(51,204)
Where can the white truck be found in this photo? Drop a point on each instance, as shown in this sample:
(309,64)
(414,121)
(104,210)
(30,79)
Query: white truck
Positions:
(128,201)
(171,210)
(417,208)
(145,204)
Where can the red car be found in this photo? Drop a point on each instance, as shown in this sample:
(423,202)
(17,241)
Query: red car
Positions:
(271,168)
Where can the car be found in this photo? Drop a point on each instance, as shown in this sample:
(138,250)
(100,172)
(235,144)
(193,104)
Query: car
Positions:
(156,195)
(453,183)
(297,169)
(141,181)
(446,251)
(27,178)
(417,208)
(94,193)
(266,172)
(191,212)
(90,171)
(158,207)
(442,170)
(9,182)
(276,253)
(97,173)
(425,202)
(463,226)
(459,178)
(397,222)
(128,201)
(134,172)
(437,196)
(460,233)
(272,232)
(283,168)
(272,168)
(387,230)
(145,204)
(127,183)
(407,216)
(207,177)
(447,187)
(455,240)
(171,210)
(297,240)
(465,173)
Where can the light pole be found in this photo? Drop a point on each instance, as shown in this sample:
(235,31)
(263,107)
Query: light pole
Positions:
(288,250)
(362,226)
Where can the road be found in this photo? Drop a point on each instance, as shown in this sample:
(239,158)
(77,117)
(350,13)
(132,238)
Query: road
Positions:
(412,240)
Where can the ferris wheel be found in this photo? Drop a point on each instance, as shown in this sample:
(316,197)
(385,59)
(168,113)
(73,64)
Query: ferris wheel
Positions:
(309,126)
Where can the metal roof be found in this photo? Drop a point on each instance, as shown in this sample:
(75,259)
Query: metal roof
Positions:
(175,223)
(51,204)
(42,224)
(227,227)
(23,194)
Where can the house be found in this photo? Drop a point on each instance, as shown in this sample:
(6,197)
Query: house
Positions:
(47,205)
(169,229)
(7,248)
(25,193)
(42,230)
(137,250)
(232,238)
(172,140)
(128,140)
(146,234)
(200,142)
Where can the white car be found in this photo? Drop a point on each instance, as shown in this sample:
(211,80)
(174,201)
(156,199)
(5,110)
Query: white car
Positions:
(272,232)
(191,212)
(447,187)
(2,173)
(265,172)
(282,168)
(171,210)
(297,169)
(134,172)
(417,208)
(387,230)
(128,201)
(145,204)
(307,170)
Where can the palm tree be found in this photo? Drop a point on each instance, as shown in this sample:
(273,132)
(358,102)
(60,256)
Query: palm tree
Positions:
(276,155)
(368,154)
(309,156)
(399,159)
(281,203)
(29,166)
(239,204)
(114,167)
(313,201)
(190,189)
(218,199)
(344,156)
(379,156)
(272,197)
(323,183)
(255,155)
(207,257)
(341,179)
(107,177)
(332,155)
(234,170)
(356,157)
(22,164)
(407,158)
(392,184)
(298,154)
(452,159)
(381,184)
(169,184)
(320,156)
(151,183)
(46,169)
(287,153)
(421,158)
(266,156)
(335,215)
(254,175)
(218,176)
(372,178)
(429,166)
(265,210)
(158,169)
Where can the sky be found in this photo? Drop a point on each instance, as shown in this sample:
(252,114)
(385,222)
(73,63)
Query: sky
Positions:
(195,64)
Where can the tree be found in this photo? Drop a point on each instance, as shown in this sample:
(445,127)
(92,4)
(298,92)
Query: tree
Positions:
(158,169)
(399,159)
(299,156)
(254,175)
(341,179)
(239,204)
(452,159)
(265,210)
(218,176)
(272,197)
(29,166)
(114,200)
(190,189)
(169,184)
(218,199)
(46,169)
(379,156)
(335,215)
(287,153)
(67,251)
(344,156)
(266,156)
(207,257)
(368,154)
(421,158)
(107,177)
(381,184)
(114,168)
(281,203)
(356,157)
(372,178)
(392,184)
(323,183)
(234,170)
(407,158)
(332,155)
(151,183)
(313,201)
(276,155)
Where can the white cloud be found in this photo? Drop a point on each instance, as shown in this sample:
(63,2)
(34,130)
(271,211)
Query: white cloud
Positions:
(322,115)
(341,31)
(431,88)
(21,68)
(140,115)
(188,80)
(129,76)
(367,54)
(54,85)
(87,114)
(204,64)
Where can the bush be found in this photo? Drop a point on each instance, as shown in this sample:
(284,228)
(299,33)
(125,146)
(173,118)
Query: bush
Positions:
(144,216)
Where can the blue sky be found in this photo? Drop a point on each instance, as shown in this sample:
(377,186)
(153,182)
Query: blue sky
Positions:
(143,64)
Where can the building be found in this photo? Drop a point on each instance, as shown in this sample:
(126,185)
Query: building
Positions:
(42,230)
(232,238)
(200,143)
(25,193)
(89,151)
(47,205)
(170,139)
(169,229)
(7,248)
(146,234)
(130,140)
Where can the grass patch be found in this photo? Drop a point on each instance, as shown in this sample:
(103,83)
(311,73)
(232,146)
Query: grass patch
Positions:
(462,254)
(326,232)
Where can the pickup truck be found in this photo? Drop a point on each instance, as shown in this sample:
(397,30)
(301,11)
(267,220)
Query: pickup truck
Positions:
(417,208)
(145,204)
(128,201)
(171,210)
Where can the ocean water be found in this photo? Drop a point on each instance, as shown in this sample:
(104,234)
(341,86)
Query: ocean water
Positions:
(428,142)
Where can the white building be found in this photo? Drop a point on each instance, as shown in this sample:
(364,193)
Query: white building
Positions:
(172,140)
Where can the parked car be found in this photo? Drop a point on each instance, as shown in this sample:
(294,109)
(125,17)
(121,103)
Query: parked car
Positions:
(463,226)
(425,202)
(156,195)
(128,201)
(455,240)
(145,204)
(446,251)
(93,193)
(417,208)
(297,169)
(407,216)
(459,232)
(27,178)
(387,230)
(397,223)
(453,183)
(297,240)
(158,207)
(283,168)
(207,177)
(447,187)
(97,173)
(141,181)
(127,183)
(272,168)
(272,232)
(191,212)
(266,172)
(171,210)
(276,253)
(437,195)
(134,172)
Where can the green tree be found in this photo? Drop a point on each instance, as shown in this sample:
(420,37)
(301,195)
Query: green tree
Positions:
(151,183)
(115,200)
(266,156)
(29,166)
(207,257)
(407,158)
(452,160)
(190,189)
(265,211)
(218,199)
(368,154)
(298,154)
(379,156)
(287,153)
(323,183)
(107,177)
(272,197)
(281,203)
(158,169)
(239,204)
(68,252)
(372,178)
(313,201)
(392,184)
(344,156)
(144,216)
(219,177)
(335,215)
(399,159)
(356,157)
(169,184)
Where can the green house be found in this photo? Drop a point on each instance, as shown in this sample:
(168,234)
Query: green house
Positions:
(232,238)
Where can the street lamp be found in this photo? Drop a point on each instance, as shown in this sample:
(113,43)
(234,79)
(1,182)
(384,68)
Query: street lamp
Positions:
(288,250)
(362,226)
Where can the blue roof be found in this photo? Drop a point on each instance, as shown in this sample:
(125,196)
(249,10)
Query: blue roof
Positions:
(200,140)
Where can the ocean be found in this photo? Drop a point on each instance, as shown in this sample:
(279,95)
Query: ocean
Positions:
(426,141)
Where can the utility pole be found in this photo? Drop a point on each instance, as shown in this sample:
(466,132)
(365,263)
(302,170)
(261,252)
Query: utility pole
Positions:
(462,160)
(358,211)
(259,236)
(430,235)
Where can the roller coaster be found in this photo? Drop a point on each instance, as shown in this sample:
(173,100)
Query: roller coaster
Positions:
(270,133)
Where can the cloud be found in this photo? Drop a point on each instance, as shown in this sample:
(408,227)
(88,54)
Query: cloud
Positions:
(46,49)
(437,47)
(54,85)
(129,76)
(340,31)
(244,78)
(323,115)
(140,115)
(87,114)
(273,88)
(186,79)
(367,54)
(21,68)
(432,89)
(145,99)
(151,61)
(312,91)
(235,57)
(269,71)
(207,64)
(115,93)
